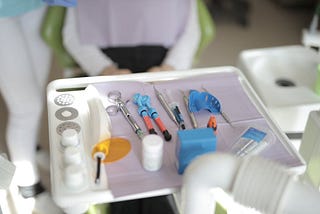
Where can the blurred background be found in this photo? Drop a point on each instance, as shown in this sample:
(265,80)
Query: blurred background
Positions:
(252,24)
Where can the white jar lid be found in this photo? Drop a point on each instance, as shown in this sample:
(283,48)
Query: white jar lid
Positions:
(152,143)
(70,138)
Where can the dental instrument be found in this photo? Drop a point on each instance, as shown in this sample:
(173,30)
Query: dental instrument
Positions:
(147,121)
(155,116)
(143,112)
(223,114)
(115,97)
(166,106)
(252,141)
(191,114)
(212,123)
(99,153)
(178,115)
(97,179)
(176,111)
(144,104)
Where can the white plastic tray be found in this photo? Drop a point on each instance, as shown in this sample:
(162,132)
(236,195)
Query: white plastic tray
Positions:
(227,92)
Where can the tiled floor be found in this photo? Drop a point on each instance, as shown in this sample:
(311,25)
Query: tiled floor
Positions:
(269,25)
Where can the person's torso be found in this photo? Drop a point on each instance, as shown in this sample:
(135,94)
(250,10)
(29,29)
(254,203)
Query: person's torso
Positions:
(114,23)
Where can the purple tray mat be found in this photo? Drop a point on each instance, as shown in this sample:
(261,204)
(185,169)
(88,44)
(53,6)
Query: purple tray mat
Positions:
(127,177)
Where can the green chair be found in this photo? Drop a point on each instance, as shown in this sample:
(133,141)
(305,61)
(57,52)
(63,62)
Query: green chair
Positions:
(51,32)
(207,28)
(99,209)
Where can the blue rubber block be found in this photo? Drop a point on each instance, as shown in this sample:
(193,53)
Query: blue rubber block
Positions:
(193,143)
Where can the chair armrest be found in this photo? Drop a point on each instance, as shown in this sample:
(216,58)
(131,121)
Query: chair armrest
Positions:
(207,27)
(51,33)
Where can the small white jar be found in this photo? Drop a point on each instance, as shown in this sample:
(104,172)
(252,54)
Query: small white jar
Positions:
(70,137)
(152,152)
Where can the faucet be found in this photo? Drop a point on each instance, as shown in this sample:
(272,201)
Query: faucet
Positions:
(311,36)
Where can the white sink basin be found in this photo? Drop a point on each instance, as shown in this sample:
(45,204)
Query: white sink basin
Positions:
(284,78)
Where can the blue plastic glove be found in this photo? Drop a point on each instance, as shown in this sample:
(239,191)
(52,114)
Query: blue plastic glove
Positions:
(65,3)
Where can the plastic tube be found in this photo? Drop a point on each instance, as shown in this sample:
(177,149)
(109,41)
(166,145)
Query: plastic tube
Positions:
(253,181)
(204,173)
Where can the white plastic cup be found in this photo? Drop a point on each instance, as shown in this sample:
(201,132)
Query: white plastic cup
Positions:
(152,152)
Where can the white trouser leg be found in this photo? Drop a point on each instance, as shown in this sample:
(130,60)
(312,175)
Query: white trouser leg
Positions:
(22,57)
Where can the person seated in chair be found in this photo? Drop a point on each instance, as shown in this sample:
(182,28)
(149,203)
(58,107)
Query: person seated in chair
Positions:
(108,37)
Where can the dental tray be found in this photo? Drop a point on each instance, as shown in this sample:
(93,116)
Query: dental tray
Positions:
(126,179)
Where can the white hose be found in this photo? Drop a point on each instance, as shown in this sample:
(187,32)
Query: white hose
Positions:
(253,181)
(204,173)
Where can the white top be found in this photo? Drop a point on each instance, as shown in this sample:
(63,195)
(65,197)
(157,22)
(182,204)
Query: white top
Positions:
(127,23)
(92,60)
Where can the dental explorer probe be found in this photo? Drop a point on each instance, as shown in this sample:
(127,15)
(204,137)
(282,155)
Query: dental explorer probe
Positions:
(191,114)
(166,106)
